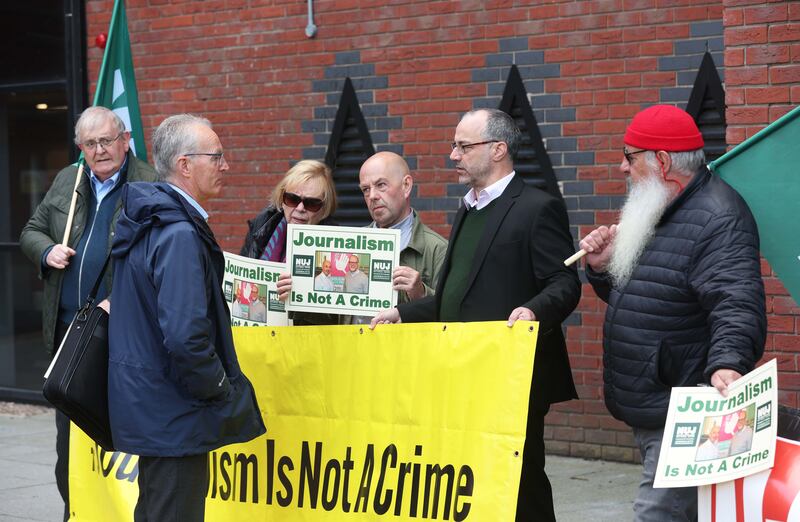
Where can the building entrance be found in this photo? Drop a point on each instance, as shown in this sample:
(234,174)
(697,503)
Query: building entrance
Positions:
(42,87)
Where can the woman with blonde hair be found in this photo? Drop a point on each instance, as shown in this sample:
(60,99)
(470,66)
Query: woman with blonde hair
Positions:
(305,196)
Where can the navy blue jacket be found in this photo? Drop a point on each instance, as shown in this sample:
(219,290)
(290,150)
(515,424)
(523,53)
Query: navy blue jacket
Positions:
(174,383)
(694,304)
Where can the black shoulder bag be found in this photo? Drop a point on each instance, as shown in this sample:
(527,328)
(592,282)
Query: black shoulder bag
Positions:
(76,382)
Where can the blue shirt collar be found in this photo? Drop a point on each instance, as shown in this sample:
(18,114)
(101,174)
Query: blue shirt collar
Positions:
(405,226)
(191,201)
(102,188)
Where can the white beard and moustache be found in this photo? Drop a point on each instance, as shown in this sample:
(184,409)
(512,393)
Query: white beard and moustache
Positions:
(646,203)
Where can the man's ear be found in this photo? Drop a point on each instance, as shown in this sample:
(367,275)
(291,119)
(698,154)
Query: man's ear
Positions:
(127,137)
(407,183)
(500,150)
(665,160)
(182,167)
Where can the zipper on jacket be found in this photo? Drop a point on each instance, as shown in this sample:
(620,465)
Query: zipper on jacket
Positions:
(83,256)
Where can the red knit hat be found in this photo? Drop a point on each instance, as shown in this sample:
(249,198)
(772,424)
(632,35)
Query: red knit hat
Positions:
(664,127)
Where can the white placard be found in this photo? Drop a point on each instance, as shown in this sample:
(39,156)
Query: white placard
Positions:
(709,438)
(342,270)
(250,288)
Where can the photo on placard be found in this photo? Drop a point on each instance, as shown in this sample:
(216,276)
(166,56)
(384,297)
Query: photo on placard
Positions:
(258,303)
(741,423)
(356,280)
(249,301)
(709,447)
(240,305)
(328,275)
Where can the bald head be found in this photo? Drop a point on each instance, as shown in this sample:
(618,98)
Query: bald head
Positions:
(386,163)
(386,183)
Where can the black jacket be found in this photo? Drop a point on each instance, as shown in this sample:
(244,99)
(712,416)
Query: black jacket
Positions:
(260,229)
(519,262)
(694,304)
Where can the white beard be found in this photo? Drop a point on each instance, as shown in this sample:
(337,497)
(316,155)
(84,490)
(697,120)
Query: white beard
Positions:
(646,203)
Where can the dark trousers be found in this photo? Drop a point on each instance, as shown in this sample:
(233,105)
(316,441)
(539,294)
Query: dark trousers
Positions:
(62,439)
(172,489)
(535,497)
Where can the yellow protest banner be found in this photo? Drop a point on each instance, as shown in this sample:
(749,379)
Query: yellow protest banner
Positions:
(406,422)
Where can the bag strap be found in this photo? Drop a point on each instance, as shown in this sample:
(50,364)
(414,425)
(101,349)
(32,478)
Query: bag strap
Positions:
(96,286)
(93,292)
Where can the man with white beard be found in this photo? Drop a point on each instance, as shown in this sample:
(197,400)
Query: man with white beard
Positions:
(682,280)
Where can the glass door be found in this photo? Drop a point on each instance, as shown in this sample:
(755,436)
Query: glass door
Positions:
(41,91)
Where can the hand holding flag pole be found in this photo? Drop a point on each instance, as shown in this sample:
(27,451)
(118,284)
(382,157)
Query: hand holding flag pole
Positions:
(580,253)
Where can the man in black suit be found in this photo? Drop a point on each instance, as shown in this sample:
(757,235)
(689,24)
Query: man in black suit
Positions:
(505,262)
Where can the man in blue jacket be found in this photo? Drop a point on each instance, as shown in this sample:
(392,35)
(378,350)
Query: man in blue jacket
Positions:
(175,388)
(682,279)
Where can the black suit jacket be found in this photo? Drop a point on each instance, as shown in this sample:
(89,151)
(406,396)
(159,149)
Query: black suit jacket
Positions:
(519,261)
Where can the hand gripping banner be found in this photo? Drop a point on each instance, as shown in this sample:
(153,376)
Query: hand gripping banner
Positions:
(406,422)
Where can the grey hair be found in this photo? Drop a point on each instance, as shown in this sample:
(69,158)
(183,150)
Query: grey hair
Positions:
(171,139)
(95,117)
(501,127)
(687,163)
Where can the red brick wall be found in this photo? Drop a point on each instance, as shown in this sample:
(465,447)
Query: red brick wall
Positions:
(588,67)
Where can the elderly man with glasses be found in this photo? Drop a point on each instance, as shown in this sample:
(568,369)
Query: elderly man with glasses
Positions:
(682,280)
(70,270)
(504,262)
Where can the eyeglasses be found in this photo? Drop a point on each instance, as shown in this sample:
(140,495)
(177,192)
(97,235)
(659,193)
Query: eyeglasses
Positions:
(629,155)
(291,199)
(218,156)
(103,142)
(465,147)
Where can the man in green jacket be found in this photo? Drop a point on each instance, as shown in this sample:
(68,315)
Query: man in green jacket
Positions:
(386,183)
(69,271)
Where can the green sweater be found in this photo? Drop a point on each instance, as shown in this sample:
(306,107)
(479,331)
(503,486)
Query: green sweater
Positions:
(464,248)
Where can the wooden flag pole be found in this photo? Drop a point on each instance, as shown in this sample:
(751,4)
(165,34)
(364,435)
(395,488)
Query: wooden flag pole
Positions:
(575,257)
(72,204)
(579,254)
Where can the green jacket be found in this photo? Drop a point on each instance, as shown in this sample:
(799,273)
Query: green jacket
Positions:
(425,254)
(46,228)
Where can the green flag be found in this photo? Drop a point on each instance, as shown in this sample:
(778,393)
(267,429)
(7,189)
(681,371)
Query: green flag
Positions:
(765,170)
(116,85)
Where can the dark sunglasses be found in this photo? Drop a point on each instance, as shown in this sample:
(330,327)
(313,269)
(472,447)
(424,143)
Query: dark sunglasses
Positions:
(311,204)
